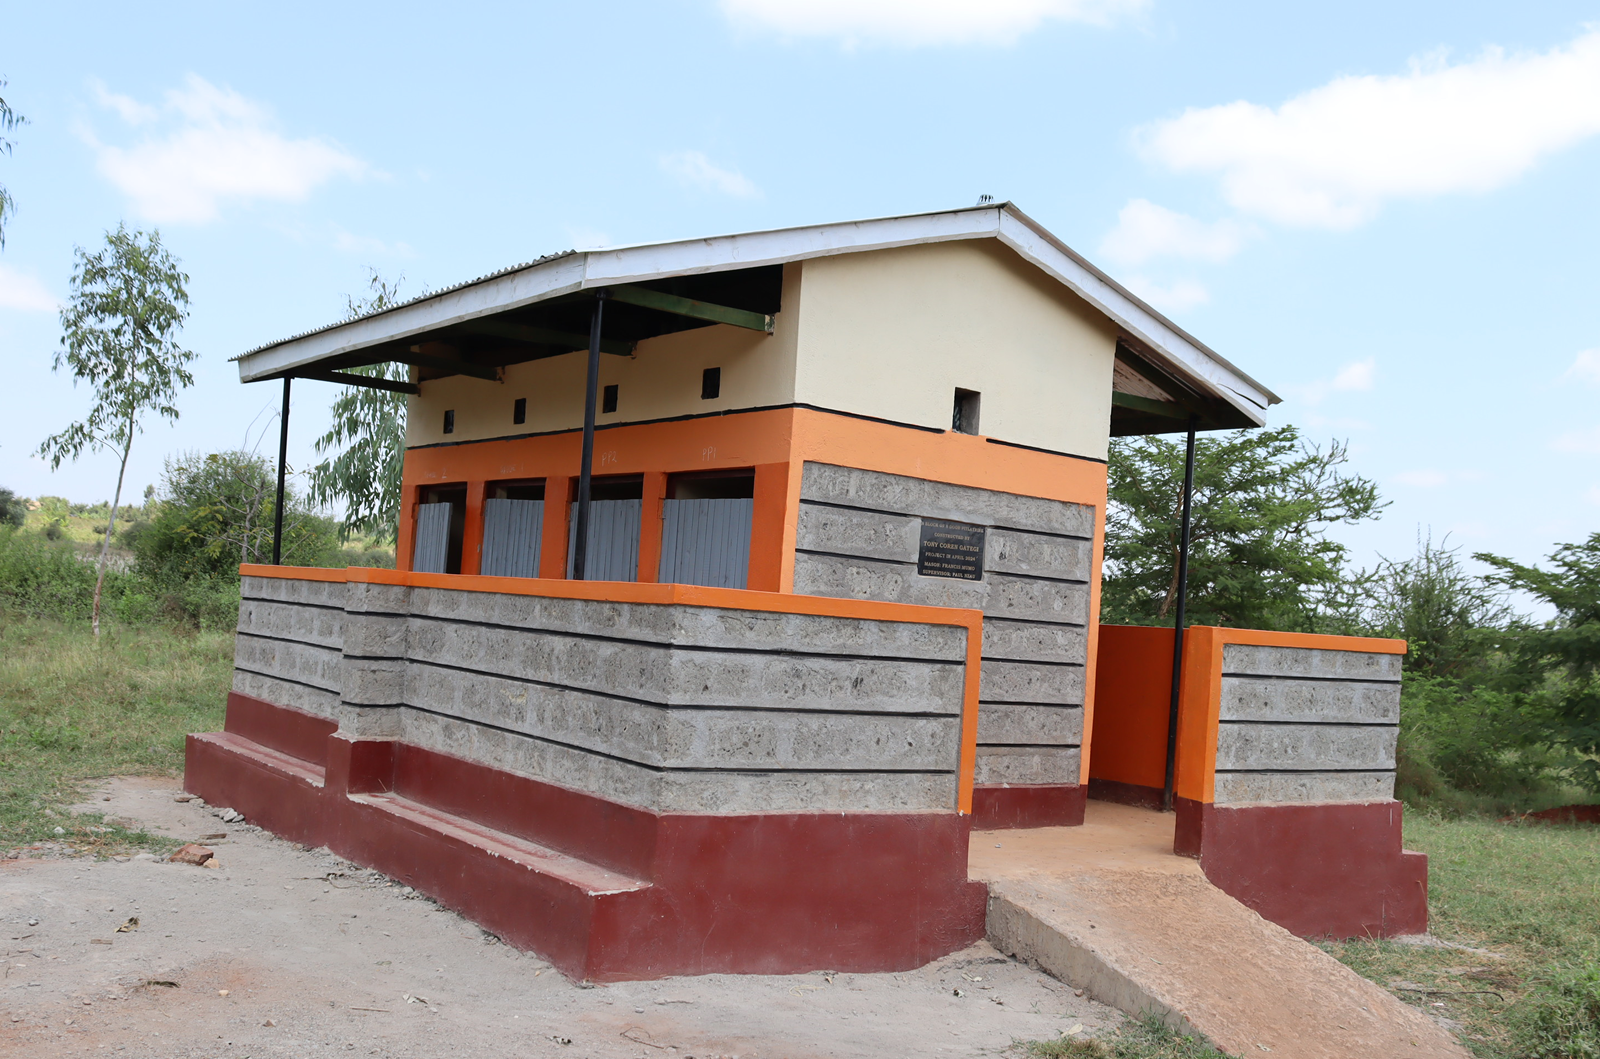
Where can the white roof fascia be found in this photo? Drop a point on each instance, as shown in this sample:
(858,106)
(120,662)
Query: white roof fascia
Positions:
(1184,353)
(599,268)
(532,284)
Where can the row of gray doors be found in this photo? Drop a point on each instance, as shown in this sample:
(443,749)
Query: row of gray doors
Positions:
(703,542)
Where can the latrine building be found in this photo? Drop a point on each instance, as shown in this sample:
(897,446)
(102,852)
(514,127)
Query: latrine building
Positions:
(740,578)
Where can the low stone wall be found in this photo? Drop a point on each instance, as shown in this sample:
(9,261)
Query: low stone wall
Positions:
(1306,725)
(858,537)
(671,707)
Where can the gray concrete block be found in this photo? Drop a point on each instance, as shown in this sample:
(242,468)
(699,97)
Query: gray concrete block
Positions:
(372,681)
(366,598)
(578,769)
(375,636)
(850,531)
(292,621)
(778,792)
(1019,597)
(1302,788)
(1308,662)
(1284,699)
(370,722)
(916,496)
(1031,682)
(760,630)
(1304,746)
(1032,641)
(283,693)
(292,590)
(1058,725)
(647,622)
(1023,765)
(299,662)
(1016,552)
(826,575)
(694,678)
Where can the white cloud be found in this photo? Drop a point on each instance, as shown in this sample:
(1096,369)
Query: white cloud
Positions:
(216,147)
(1174,298)
(913,23)
(1585,367)
(696,170)
(1358,376)
(350,243)
(1145,231)
(1585,442)
(18,290)
(1332,156)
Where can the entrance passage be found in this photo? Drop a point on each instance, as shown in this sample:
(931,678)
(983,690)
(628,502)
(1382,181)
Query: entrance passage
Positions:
(615,507)
(441,523)
(513,521)
(705,532)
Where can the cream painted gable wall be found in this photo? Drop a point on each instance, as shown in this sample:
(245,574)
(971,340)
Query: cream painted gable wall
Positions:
(893,333)
(660,381)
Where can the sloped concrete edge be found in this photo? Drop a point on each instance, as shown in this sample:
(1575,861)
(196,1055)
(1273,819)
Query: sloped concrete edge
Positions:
(1065,955)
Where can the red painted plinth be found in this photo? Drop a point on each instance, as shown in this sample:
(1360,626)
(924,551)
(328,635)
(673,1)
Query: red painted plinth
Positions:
(1028,805)
(604,891)
(1317,870)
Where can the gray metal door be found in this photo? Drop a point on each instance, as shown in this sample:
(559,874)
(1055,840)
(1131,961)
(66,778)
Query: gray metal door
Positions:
(511,531)
(431,552)
(707,542)
(613,540)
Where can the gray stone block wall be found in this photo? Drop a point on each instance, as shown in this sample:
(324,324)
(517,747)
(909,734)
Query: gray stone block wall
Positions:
(668,707)
(1306,725)
(857,537)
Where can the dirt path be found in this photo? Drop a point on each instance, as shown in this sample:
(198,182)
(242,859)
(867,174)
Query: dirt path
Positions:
(271,957)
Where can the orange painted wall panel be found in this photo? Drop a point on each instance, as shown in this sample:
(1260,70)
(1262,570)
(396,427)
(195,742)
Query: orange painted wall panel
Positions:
(1133,696)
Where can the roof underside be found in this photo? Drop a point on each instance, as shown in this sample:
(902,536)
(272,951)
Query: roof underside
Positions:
(1163,376)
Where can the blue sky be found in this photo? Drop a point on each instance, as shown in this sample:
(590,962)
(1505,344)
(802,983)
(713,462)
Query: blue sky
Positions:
(1384,212)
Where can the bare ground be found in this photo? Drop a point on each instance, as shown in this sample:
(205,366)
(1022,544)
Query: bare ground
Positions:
(288,952)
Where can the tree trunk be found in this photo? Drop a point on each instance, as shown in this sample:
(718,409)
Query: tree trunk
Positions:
(111,526)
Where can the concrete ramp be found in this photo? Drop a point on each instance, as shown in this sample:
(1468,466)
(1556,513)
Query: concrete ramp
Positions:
(1108,908)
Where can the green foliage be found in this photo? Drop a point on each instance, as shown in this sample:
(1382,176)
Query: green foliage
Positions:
(1143,1038)
(119,334)
(1556,668)
(1259,554)
(367,440)
(1450,618)
(216,511)
(10,120)
(13,509)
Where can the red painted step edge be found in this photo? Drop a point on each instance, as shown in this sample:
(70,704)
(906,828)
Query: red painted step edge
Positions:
(1328,870)
(771,893)
(1028,805)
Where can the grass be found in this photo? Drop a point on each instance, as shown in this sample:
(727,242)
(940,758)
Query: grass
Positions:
(1527,897)
(1145,1038)
(72,710)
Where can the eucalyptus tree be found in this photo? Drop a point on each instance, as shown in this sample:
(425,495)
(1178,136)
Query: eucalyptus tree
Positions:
(366,438)
(119,328)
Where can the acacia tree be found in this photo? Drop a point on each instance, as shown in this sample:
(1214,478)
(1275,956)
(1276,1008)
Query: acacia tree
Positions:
(367,438)
(119,335)
(1259,553)
(9,120)
(1556,667)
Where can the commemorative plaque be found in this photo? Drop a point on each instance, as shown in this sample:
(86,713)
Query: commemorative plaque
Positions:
(950,549)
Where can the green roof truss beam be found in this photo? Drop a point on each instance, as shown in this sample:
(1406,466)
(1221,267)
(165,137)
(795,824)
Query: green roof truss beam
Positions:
(672,303)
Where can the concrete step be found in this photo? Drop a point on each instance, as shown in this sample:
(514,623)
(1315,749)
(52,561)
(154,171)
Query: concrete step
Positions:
(1108,908)
(591,879)
(274,761)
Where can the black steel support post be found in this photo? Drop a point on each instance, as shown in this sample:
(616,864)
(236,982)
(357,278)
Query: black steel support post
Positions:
(283,461)
(591,394)
(1178,621)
